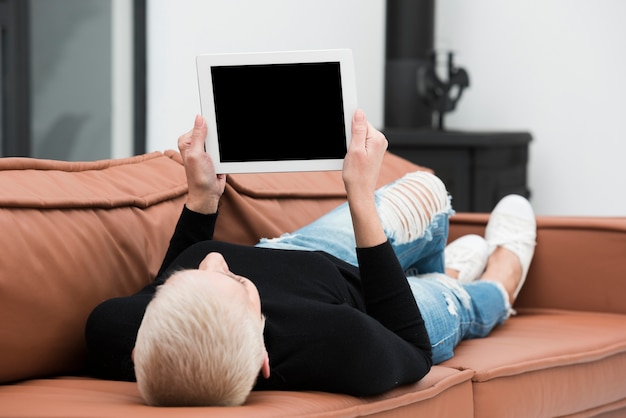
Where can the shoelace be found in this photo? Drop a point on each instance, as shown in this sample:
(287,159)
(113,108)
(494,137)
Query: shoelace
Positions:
(465,260)
(515,234)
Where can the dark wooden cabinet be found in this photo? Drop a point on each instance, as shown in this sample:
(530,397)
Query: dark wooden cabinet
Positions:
(478,168)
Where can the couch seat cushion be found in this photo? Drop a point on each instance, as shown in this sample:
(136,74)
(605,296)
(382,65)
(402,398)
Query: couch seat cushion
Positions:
(547,363)
(443,392)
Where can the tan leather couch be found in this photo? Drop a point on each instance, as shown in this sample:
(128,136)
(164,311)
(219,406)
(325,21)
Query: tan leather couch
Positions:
(74,234)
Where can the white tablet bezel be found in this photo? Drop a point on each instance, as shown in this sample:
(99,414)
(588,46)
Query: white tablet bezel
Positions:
(205,84)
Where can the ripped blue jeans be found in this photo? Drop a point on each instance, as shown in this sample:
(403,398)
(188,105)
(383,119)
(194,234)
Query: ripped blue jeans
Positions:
(414,211)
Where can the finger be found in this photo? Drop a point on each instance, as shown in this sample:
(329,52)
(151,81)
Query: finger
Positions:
(184,141)
(375,138)
(194,137)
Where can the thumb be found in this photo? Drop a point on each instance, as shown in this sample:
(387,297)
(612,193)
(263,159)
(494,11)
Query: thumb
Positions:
(359,129)
(199,132)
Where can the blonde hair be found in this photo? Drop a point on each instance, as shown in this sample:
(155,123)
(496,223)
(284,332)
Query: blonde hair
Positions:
(195,349)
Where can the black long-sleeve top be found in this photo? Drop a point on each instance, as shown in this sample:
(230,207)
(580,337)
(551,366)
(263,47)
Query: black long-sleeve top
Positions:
(329,326)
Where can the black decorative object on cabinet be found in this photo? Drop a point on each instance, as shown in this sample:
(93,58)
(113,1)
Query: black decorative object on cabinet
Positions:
(478,168)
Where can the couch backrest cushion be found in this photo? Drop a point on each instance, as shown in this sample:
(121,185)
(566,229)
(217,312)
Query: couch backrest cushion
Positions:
(255,206)
(74,234)
(578,262)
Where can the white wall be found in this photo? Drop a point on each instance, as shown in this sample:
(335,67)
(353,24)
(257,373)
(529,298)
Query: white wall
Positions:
(179,30)
(556,68)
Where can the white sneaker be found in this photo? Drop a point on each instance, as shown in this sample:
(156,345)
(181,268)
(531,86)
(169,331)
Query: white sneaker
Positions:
(512,225)
(468,255)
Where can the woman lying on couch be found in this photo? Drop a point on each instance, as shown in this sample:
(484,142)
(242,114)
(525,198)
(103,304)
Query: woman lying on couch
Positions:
(328,307)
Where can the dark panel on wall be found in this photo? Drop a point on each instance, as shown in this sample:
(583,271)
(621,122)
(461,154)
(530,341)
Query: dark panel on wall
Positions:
(140,105)
(14,79)
(409,41)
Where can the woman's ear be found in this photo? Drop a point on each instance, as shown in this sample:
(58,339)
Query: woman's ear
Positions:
(265,368)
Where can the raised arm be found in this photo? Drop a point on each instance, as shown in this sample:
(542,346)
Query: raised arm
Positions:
(360,173)
(204,190)
(388,296)
(205,187)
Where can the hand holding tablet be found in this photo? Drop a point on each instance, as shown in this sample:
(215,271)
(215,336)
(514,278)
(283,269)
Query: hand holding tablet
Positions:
(277,111)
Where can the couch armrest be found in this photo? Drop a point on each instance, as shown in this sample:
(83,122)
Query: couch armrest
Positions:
(579,263)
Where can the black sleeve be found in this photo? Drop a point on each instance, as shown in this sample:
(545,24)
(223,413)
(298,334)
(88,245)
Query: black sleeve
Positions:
(388,296)
(191,228)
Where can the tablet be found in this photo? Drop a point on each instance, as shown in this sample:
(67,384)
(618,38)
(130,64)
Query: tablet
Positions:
(277,111)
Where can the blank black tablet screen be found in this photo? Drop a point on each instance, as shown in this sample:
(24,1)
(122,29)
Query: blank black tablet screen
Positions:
(279,112)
